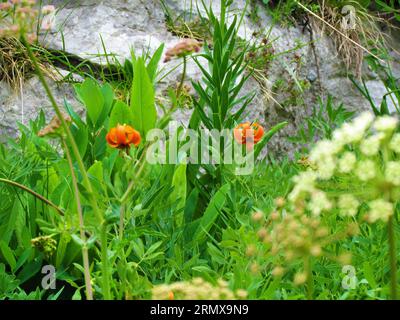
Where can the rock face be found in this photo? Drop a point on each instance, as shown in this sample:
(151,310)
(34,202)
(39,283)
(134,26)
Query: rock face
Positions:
(81,26)
(25,104)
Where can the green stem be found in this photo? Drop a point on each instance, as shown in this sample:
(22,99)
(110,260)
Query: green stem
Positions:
(183,77)
(85,254)
(125,196)
(37,195)
(104,263)
(121,221)
(70,138)
(310,280)
(75,150)
(393,259)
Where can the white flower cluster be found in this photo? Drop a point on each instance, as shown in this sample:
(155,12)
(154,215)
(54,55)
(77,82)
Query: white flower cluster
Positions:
(366,151)
(380,209)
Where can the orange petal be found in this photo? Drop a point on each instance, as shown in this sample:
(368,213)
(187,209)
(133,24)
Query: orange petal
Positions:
(112,138)
(136,138)
(121,135)
(259,132)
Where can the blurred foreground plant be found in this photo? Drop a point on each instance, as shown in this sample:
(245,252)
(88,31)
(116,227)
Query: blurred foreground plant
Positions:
(364,156)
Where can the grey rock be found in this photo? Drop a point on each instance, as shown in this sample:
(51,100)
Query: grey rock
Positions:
(24,105)
(312,76)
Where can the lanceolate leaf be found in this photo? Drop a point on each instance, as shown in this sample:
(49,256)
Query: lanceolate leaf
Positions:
(8,255)
(178,194)
(142,99)
(267,137)
(211,214)
(153,64)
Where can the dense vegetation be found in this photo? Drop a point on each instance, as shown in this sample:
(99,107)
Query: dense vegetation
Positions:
(79,196)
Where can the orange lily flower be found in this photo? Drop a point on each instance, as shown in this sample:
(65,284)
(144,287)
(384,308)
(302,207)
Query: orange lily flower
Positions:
(248,132)
(122,136)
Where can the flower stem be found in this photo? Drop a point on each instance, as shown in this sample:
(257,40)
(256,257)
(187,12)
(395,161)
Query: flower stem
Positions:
(75,150)
(183,77)
(70,138)
(125,196)
(141,162)
(310,280)
(104,263)
(37,195)
(393,259)
(121,221)
(85,254)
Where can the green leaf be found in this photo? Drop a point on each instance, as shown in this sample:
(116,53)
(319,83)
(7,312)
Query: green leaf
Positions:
(23,257)
(142,99)
(212,212)
(96,176)
(65,238)
(178,194)
(96,171)
(8,255)
(56,295)
(81,138)
(153,64)
(77,295)
(273,286)
(369,274)
(138,247)
(93,99)
(29,270)
(191,205)
(150,253)
(259,146)
(120,114)
(108,96)
(8,283)
(215,254)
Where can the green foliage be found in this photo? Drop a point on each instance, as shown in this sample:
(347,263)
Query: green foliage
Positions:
(142,99)
(390,7)
(120,114)
(224,78)
(392,95)
(324,119)
(164,223)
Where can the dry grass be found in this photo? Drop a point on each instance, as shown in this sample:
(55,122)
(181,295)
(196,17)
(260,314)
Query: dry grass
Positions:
(351,44)
(14,62)
(15,65)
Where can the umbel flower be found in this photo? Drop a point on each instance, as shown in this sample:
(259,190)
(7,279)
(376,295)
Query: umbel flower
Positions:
(364,152)
(294,236)
(45,244)
(122,136)
(358,170)
(196,289)
(183,48)
(293,240)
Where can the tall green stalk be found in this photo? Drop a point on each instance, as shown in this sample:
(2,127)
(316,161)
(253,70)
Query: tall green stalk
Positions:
(128,191)
(392,259)
(34,193)
(85,253)
(86,181)
(310,279)
(179,92)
